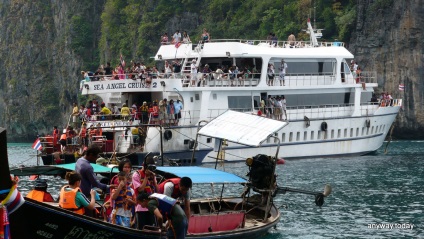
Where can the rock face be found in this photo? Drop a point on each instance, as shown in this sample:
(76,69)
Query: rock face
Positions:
(39,65)
(45,44)
(389,39)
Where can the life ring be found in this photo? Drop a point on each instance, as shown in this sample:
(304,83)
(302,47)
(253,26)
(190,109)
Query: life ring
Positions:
(324,126)
(367,123)
(167,134)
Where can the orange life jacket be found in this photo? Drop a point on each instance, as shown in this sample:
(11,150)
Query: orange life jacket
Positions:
(67,200)
(40,196)
(63,136)
(83,132)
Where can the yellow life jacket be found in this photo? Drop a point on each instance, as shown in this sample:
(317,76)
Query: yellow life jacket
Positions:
(67,200)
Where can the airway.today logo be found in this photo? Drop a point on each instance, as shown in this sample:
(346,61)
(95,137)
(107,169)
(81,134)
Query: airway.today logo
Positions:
(391,226)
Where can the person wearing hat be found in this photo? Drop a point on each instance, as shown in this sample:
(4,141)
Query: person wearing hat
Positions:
(144,109)
(144,181)
(193,72)
(39,193)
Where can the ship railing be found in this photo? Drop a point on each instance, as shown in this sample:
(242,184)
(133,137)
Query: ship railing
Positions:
(214,79)
(281,44)
(365,77)
(303,79)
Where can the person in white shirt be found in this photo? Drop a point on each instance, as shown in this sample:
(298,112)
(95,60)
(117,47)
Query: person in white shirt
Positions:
(193,71)
(176,37)
(283,69)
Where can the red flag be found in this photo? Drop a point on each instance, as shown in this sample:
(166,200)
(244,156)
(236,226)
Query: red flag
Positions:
(401,87)
(37,145)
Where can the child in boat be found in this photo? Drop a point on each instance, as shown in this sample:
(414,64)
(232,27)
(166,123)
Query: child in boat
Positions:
(122,198)
(72,198)
(40,193)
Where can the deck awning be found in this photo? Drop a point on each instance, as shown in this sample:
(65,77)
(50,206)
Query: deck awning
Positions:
(56,169)
(241,128)
(201,175)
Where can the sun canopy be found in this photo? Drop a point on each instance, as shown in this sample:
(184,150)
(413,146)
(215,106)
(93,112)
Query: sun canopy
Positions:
(242,128)
(56,169)
(201,175)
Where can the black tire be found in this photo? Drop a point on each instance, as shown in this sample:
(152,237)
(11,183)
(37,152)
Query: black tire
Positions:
(324,126)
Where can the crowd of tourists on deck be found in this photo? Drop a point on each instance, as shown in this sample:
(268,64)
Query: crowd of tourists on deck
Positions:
(78,135)
(137,199)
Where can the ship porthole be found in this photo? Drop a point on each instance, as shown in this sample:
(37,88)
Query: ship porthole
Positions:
(167,134)
(324,126)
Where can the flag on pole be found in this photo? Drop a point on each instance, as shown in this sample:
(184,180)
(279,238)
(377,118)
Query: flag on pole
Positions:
(37,145)
(122,61)
(401,87)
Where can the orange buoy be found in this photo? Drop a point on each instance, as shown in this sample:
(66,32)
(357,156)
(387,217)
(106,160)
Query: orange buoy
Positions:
(281,161)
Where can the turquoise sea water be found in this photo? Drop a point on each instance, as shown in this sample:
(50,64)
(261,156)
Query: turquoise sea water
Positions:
(368,191)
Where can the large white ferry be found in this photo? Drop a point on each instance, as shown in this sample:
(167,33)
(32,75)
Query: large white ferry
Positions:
(328,112)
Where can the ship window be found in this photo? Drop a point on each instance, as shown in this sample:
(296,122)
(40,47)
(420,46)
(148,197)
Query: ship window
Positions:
(345,133)
(319,134)
(312,135)
(339,133)
(305,135)
(208,140)
(240,103)
(276,138)
(372,129)
(363,131)
(384,127)
(351,132)
(330,100)
(214,96)
(298,136)
(306,66)
(332,133)
(197,96)
(191,99)
(283,137)
(357,132)
(291,137)
(368,131)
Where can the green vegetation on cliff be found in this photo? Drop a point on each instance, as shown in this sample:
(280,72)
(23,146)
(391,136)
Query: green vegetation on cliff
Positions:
(133,28)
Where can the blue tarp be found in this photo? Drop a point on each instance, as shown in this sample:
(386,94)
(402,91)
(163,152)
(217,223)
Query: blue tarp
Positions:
(203,175)
(55,169)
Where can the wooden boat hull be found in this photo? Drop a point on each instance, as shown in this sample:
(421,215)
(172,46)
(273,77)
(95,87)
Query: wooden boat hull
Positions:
(39,220)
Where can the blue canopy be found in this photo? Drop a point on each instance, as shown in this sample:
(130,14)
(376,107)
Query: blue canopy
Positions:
(203,175)
(56,169)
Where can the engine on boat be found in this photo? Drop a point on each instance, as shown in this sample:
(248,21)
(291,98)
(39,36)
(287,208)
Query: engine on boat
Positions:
(261,171)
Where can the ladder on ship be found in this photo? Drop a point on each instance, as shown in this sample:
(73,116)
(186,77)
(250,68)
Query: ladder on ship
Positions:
(186,67)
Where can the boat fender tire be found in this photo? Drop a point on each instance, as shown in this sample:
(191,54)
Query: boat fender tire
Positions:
(192,144)
(167,134)
(324,126)
(367,123)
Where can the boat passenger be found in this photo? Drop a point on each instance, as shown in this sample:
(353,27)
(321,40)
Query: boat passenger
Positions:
(178,188)
(122,200)
(62,141)
(88,179)
(83,135)
(178,108)
(39,193)
(71,197)
(105,110)
(206,37)
(291,39)
(283,69)
(186,38)
(193,72)
(144,181)
(144,109)
(164,39)
(125,112)
(171,112)
(164,207)
(75,114)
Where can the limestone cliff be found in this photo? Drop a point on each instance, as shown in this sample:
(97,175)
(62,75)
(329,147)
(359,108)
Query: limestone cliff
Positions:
(389,38)
(45,44)
(39,61)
